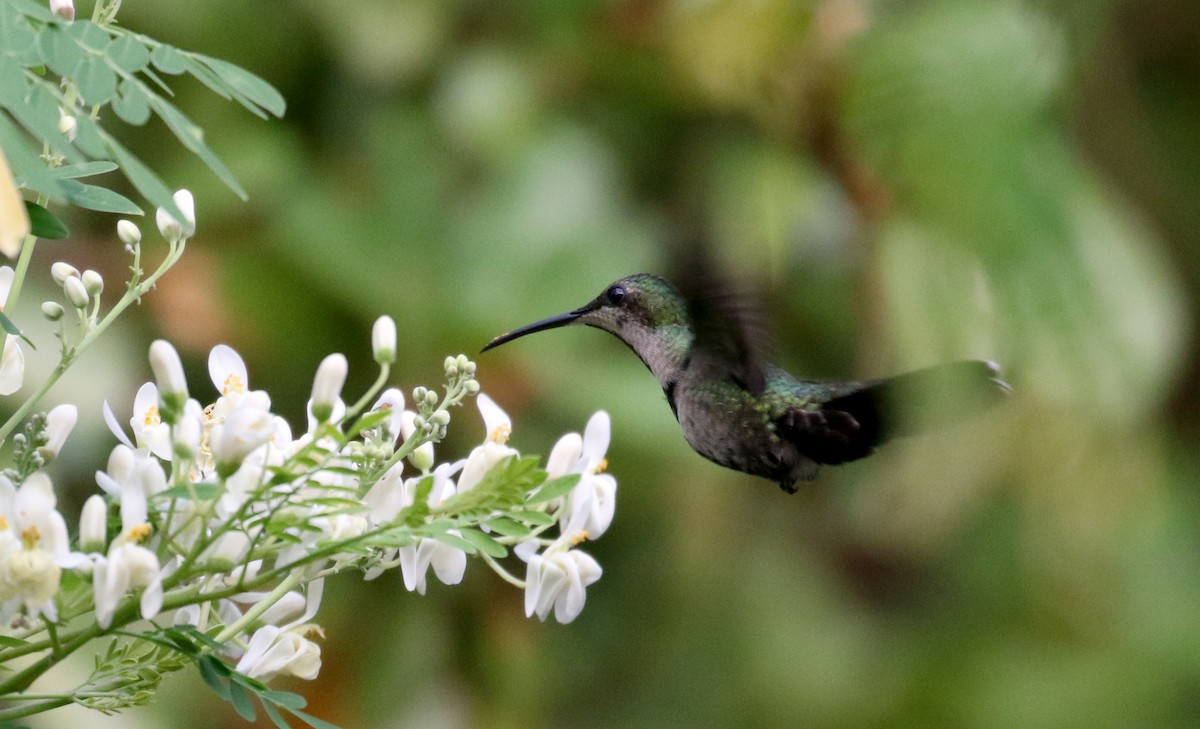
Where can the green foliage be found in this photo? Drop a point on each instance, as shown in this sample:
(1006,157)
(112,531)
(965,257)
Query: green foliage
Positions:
(85,69)
(127,674)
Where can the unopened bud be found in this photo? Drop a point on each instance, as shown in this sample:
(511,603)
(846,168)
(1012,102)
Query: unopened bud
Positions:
(440,417)
(128,232)
(471,386)
(93,523)
(52,310)
(64,9)
(168,375)
(77,295)
(173,229)
(327,385)
(93,282)
(383,340)
(61,271)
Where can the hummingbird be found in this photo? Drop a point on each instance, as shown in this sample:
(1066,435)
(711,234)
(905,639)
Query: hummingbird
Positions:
(707,348)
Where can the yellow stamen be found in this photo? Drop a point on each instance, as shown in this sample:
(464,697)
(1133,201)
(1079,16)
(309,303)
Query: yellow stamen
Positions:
(30,536)
(313,631)
(233,383)
(152,417)
(579,538)
(140,532)
(3,522)
(500,434)
(603,466)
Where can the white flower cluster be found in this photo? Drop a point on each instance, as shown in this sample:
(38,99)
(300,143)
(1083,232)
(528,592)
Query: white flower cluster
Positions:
(230,522)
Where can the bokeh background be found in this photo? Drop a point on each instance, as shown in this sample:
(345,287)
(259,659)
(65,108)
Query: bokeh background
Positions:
(906,182)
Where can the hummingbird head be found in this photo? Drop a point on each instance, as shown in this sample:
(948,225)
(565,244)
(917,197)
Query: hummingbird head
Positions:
(645,311)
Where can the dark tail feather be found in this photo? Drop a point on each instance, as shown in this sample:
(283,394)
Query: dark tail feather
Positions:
(922,400)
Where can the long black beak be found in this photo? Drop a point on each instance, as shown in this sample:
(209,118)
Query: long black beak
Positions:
(538,326)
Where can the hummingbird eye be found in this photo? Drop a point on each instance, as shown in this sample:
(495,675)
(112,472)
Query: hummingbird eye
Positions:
(615,294)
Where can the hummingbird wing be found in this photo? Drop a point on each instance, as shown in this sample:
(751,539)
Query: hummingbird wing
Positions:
(858,416)
(731,333)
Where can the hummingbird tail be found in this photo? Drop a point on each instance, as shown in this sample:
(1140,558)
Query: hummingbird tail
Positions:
(922,400)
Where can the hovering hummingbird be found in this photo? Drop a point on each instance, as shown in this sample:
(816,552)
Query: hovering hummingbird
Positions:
(707,349)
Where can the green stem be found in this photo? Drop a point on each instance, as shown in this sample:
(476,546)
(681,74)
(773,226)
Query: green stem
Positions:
(255,612)
(135,292)
(33,707)
(356,408)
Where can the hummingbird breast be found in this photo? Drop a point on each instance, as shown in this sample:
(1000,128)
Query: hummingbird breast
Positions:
(731,426)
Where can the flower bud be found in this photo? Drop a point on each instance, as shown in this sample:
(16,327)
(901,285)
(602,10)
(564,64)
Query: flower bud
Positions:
(128,232)
(172,229)
(52,310)
(59,423)
(77,295)
(93,523)
(327,385)
(93,282)
(471,386)
(245,429)
(383,340)
(61,271)
(440,417)
(67,125)
(168,375)
(64,9)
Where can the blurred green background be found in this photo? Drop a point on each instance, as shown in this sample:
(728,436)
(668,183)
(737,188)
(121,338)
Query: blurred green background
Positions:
(909,181)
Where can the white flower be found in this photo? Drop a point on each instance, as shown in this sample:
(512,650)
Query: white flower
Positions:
(327,385)
(149,430)
(493,450)
(449,563)
(228,370)
(59,423)
(168,374)
(273,651)
(244,430)
(590,506)
(127,567)
(34,545)
(556,579)
(12,361)
(383,340)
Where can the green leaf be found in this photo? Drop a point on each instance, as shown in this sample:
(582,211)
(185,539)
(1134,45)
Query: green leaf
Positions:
(168,60)
(17,36)
(286,699)
(128,53)
(132,104)
(192,137)
(554,489)
(146,182)
(246,84)
(216,678)
(43,224)
(87,137)
(241,702)
(34,10)
(508,527)
(193,633)
(275,716)
(59,51)
(456,541)
(418,511)
(203,492)
(483,543)
(97,198)
(7,641)
(97,82)
(536,518)
(89,35)
(26,165)
(83,169)
(8,326)
(313,721)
